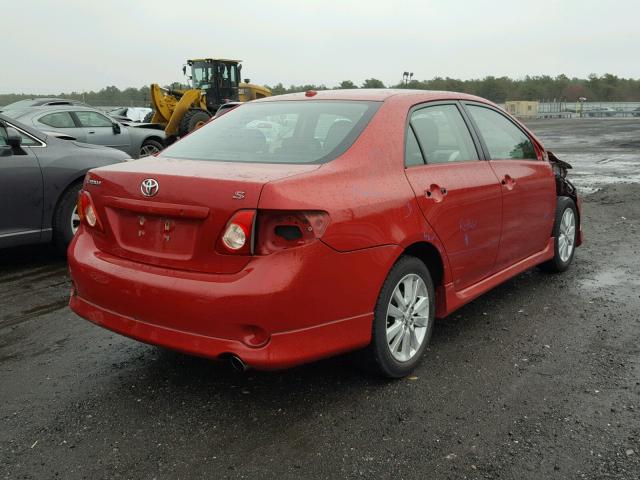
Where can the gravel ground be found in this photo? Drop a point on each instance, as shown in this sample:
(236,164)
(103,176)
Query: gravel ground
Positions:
(538,379)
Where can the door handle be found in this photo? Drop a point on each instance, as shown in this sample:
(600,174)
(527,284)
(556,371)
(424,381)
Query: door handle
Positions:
(508,182)
(435,192)
(92,131)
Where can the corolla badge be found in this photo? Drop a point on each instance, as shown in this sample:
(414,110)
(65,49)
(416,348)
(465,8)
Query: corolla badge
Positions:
(149,187)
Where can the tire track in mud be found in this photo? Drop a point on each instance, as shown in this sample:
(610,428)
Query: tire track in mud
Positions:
(33,282)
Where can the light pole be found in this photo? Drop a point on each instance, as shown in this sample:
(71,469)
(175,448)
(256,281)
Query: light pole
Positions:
(582,100)
(406,77)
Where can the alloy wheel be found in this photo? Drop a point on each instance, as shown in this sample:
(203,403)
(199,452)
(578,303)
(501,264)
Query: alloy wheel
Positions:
(407,317)
(567,236)
(75,220)
(148,149)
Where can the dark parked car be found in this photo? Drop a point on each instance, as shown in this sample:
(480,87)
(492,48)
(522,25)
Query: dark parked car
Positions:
(90,125)
(40,177)
(601,112)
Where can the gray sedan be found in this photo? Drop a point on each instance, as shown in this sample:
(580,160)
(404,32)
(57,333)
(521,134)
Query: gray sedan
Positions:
(91,126)
(40,176)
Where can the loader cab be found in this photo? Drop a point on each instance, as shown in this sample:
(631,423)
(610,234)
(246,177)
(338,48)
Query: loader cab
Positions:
(217,78)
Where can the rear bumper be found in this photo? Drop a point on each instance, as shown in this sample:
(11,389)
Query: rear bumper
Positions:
(282,310)
(283,350)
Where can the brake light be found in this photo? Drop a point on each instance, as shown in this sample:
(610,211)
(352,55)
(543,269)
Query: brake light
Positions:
(278,230)
(87,210)
(268,231)
(237,236)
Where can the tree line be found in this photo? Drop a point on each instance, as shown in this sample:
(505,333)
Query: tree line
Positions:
(605,88)
(595,88)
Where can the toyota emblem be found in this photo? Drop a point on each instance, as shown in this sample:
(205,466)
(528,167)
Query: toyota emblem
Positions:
(149,187)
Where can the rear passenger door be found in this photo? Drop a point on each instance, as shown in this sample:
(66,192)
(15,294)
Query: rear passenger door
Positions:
(527,182)
(459,194)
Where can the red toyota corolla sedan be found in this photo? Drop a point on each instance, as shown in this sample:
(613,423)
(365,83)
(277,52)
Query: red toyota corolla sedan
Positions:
(302,226)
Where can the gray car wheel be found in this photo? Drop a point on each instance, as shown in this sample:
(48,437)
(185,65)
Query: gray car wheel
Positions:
(66,220)
(150,147)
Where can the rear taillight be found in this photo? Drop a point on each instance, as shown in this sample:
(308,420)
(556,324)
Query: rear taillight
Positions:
(87,210)
(278,230)
(268,231)
(237,236)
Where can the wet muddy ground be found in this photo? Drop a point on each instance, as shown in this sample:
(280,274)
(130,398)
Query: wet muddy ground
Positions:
(538,379)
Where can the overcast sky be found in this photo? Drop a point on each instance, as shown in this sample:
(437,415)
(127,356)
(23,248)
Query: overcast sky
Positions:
(67,45)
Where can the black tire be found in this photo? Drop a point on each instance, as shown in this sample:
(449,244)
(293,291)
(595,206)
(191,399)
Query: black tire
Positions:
(377,357)
(62,217)
(148,117)
(149,147)
(557,264)
(193,119)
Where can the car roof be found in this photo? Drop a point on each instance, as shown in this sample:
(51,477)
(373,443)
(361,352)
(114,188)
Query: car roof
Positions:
(375,94)
(48,108)
(33,112)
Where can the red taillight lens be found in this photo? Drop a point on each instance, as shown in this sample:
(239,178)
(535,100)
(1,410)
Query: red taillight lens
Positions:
(237,236)
(278,230)
(87,210)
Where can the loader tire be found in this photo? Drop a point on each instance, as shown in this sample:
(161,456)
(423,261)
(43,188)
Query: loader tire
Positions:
(193,119)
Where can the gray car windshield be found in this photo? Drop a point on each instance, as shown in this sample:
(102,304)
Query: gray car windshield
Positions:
(278,132)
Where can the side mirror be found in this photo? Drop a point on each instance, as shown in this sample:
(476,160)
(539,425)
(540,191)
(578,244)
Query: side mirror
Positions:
(6,151)
(14,139)
(184,69)
(116,128)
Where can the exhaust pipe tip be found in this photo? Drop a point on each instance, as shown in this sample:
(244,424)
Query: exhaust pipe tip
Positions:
(237,364)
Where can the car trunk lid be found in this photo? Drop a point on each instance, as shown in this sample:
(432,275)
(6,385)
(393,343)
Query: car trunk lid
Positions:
(175,219)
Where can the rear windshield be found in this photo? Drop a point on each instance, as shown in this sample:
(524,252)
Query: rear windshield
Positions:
(278,132)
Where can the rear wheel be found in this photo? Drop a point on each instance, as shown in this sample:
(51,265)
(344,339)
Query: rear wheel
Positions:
(66,219)
(150,147)
(193,119)
(565,232)
(403,319)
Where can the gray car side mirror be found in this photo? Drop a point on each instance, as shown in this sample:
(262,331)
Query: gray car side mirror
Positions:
(116,128)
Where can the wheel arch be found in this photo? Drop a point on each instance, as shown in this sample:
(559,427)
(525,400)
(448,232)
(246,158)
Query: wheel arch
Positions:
(72,183)
(429,254)
(155,138)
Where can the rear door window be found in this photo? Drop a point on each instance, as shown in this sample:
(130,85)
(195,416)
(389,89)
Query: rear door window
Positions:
(503,139)
(278,132)
(443,135)
(93,119)
(412,153)
(58,120)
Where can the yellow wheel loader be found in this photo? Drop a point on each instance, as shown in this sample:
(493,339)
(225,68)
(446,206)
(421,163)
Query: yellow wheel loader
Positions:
(213,82)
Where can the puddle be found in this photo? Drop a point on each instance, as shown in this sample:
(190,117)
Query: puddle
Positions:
(608,279)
